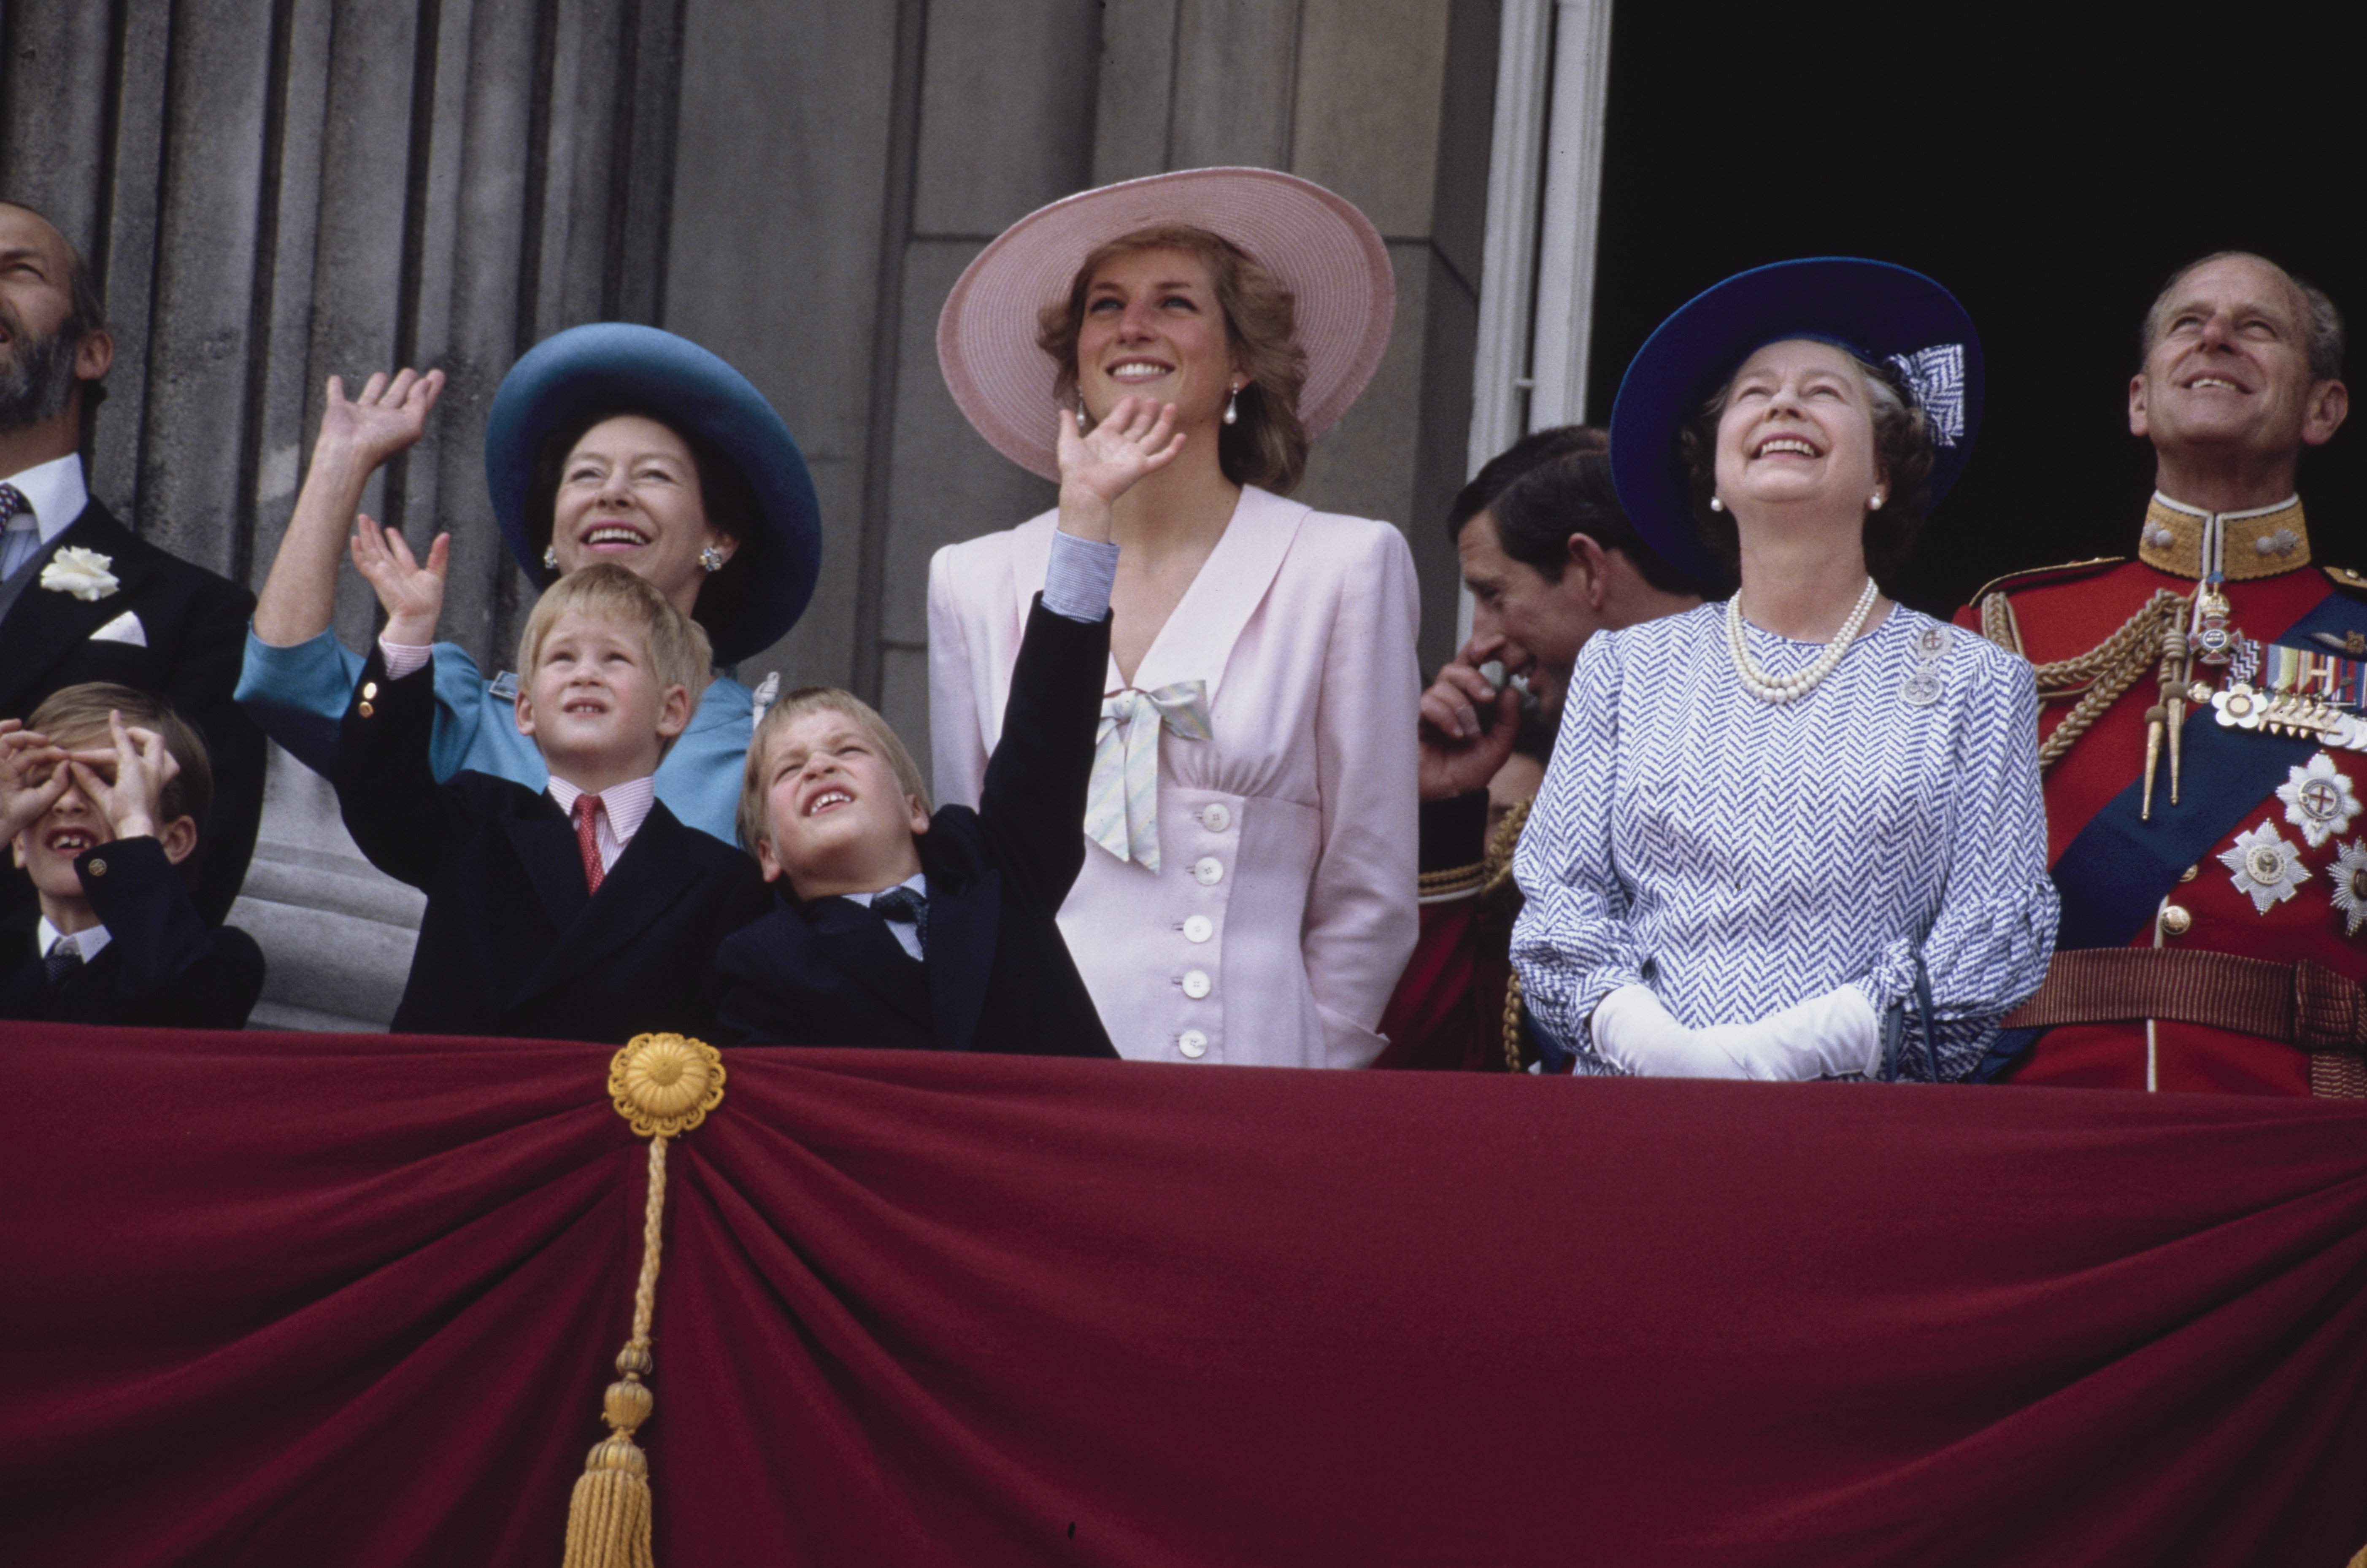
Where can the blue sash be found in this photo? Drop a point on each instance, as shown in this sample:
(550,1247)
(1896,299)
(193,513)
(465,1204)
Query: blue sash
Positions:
(2114,876)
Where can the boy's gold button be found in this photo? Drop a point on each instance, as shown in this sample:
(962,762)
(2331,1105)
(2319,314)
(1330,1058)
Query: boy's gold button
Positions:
(2175,921)
(366,710)
(370,688)
(97,868)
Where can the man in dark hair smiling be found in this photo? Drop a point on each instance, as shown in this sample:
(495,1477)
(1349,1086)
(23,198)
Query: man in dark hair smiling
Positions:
(1550,560)
(81,598)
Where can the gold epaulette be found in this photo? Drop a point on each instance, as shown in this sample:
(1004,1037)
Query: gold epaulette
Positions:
(2343,577)
(2015,582)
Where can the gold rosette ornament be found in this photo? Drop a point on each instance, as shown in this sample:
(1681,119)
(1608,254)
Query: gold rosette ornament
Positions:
(663,1085)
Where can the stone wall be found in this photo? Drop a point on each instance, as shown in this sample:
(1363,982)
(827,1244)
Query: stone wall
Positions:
(275,191)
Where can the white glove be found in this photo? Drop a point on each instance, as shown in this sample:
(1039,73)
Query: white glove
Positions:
(1825,1036)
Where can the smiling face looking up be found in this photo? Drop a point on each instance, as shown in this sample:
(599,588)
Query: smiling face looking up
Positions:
(630,492)
(2228,382)
(1153,326)
(837,819)
(1797,429)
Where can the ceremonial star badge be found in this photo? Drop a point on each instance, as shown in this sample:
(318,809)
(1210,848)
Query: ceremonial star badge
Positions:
(2318,800)
(2265,866)
(2349,875)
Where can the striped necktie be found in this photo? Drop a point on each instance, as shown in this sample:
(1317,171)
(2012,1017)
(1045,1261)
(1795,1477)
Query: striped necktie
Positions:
(20,532)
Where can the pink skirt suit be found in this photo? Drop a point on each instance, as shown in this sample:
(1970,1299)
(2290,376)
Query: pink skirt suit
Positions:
(1284,906)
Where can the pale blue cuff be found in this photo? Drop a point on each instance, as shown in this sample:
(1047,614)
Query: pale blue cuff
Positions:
(1078,581)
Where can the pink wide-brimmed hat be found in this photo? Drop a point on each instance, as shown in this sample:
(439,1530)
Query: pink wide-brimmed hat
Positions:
(1324,251)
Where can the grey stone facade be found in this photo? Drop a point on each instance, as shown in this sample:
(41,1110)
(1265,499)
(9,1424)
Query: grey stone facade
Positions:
(275,191)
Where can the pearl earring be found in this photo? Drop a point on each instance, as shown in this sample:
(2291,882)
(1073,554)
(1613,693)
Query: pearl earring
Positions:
(1081,419)
(1232,404)
(550,558)
(1875,504)
(1716,504)
(712,558)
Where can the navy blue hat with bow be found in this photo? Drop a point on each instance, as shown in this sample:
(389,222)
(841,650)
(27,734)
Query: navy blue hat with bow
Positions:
(615,368)
(1882,313)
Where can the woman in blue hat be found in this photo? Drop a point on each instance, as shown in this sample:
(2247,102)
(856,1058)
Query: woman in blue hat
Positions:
(606,442)
(1797,834)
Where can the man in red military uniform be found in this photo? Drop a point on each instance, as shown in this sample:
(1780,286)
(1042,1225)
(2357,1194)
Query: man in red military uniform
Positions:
(1550,560)
(2204,747)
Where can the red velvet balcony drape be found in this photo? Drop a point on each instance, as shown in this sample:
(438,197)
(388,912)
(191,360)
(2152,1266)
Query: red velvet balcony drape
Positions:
(334,1300)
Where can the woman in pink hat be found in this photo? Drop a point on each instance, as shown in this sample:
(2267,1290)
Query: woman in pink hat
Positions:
(1166,349)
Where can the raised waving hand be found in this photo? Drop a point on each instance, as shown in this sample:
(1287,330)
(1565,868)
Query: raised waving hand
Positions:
(410,590)
(1138,438)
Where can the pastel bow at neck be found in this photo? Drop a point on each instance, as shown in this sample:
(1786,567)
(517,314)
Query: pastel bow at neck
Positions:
(1122,804)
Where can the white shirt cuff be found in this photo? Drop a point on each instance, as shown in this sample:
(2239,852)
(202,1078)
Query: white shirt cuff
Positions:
(401,658)
(1078,581)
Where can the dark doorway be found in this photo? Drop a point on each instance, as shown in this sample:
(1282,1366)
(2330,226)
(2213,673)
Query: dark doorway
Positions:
(2050,168)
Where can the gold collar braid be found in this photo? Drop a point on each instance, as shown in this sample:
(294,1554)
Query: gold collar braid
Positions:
(2267,541)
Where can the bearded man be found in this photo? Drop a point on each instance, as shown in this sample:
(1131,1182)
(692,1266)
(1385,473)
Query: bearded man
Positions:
(81,598)
(2206,738)
(1550,560)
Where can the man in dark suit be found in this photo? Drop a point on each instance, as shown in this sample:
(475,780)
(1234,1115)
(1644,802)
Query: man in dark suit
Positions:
(81,598)
(585,911)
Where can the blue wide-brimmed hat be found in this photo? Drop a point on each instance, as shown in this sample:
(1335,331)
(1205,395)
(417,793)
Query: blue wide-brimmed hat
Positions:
(611,367)
(1883,313)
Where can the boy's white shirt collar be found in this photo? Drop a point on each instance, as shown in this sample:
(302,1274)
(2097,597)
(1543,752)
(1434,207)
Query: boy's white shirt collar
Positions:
(90,942)
(54,493)
(906,932)
(918,882)
(623,808)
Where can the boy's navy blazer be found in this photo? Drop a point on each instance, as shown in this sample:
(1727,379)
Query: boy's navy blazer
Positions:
(998,975)
(162,968)
(512,942)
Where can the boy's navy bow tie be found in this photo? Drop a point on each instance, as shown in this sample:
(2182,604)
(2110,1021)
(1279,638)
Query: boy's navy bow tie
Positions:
(903,903)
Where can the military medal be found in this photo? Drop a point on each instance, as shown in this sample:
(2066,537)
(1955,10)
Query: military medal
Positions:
(2299,693)
(2263,865)
(2350,876)
(2318,800)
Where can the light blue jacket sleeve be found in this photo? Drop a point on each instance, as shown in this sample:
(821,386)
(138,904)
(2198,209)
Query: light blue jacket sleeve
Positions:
(298,694)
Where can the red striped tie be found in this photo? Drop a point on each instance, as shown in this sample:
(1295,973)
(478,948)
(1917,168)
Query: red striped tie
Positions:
(587,839)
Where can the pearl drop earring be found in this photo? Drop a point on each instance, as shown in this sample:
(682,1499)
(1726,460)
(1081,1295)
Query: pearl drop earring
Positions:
(1232,404)
(1875,504)
(1716,504)
(1081,419)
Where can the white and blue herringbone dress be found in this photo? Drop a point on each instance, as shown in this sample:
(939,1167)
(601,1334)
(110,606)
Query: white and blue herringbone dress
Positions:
(1739,856)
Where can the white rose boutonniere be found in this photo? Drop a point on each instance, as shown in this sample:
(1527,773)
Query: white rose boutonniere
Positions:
(81,573)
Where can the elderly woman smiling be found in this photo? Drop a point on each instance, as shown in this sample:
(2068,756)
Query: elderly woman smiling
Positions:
(1797,835)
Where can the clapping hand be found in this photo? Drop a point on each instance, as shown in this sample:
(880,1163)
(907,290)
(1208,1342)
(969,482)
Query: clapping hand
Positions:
(388,417)
(1138,438)
(32,776)
(1467,725)
(412,595)
(143,766)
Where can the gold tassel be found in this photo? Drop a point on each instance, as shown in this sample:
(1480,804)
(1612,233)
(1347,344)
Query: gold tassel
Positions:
(663,1085)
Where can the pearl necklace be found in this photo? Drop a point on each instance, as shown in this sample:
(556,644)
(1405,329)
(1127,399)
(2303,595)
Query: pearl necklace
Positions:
(1784,688)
